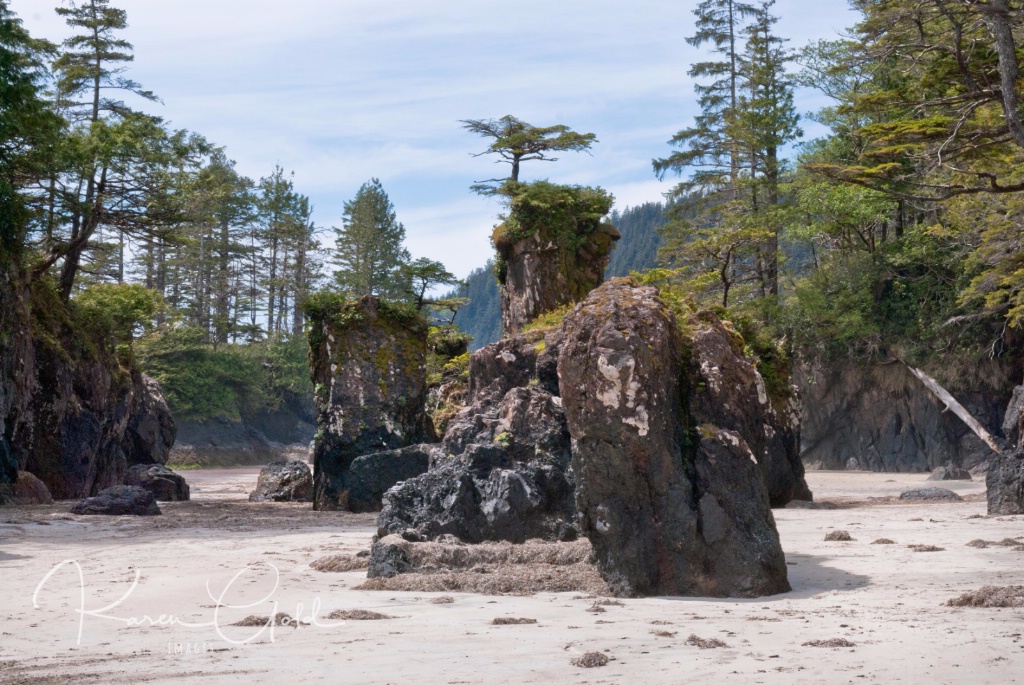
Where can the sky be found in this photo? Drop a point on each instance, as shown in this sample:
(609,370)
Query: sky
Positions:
(342,91)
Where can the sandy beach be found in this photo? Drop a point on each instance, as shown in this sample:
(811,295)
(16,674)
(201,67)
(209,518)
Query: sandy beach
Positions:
(888,601)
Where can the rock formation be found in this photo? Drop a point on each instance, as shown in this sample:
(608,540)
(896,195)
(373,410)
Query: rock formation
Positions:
(503,469)
(164,484)
(150,430)
(284,481)
(368,366)
(950,472)
(120,500)
(733,396)
(880,418)
(672,503)
(1004,480)
(552,251)
(29,490)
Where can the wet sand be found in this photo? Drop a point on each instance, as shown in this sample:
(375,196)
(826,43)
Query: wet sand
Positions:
(887,600)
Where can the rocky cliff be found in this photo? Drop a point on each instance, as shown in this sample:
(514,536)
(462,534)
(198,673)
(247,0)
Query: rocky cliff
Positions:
(74,410)
(880,418)
(252,439)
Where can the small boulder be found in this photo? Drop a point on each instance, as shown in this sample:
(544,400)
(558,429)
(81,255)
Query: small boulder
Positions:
(120,500)
(930,495)
(388,557)
(371,475)
(950,472)
(30,490)
(284,481)
(166,485)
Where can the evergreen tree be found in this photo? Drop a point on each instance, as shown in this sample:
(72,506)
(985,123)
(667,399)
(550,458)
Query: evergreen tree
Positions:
(368,246)
(710,147)
(766,120)
(516,141)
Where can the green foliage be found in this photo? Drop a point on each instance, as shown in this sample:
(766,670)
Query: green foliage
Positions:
(565,214)
(122,309)
(231,381)
(516,141)
(424,275)
(368,247)
(548,320)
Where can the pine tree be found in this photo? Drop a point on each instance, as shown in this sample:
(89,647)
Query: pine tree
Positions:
(90,64)
(368,247)
(766,120)
(710,147)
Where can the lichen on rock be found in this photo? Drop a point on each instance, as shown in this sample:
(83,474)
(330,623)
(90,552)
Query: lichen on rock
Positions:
(368,365)
(669,509)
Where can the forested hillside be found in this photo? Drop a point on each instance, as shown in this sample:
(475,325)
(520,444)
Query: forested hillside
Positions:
(637,250)
(481,317)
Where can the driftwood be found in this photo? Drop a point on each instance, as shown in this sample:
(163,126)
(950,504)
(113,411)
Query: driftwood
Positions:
(955,407)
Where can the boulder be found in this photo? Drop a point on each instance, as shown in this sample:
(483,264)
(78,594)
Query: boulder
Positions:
(368,363)
(371,475)
(30,490)
(1005,484)
(503,471)
(284,481)
(166,485)
(388,558)
(950,472)
(150,431)
(671,506)
(930,495)
(120,500)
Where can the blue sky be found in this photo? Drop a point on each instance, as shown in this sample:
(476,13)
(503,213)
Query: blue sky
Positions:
(340,91)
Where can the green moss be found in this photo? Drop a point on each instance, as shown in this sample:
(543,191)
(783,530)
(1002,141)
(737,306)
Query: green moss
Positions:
(566,215)
(548,320)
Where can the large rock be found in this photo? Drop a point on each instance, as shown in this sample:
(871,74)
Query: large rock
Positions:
(879,417)
(930,495)
(1004,480)
(503,471)
(284,481)
(251,439)
(166,485)
(220,441)
(120,500)
(671,505)
(950,472)
(371,475)
(368,365)
(542,271)
(1005,484)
